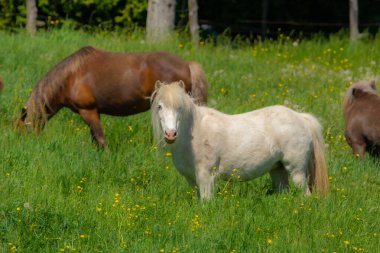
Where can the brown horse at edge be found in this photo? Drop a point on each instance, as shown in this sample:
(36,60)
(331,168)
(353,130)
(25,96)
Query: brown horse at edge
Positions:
(92,81)
(361,108)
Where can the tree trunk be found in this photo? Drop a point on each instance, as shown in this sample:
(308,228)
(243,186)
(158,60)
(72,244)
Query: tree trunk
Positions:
(193,22)
(354,20)
(160,19)
(31,16)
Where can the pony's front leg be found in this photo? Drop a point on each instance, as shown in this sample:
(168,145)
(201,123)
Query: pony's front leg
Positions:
(359,149)
(357,144)
(205,182)
(91,117)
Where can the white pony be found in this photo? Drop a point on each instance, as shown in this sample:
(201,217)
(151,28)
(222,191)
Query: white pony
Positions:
(206,143)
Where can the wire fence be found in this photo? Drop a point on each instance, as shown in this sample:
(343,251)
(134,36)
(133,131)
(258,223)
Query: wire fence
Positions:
(253,27)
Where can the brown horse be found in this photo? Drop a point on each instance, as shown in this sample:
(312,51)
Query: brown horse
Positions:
(1,83)
(92,81)
(361,108)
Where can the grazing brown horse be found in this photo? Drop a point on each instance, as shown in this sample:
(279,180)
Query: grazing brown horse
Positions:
(361,108)
(92,81)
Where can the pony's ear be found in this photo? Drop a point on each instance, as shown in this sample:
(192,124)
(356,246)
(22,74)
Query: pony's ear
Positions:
(153,97)
(23,113)
(372,84)
(357,92)
(181,84)
(158,84)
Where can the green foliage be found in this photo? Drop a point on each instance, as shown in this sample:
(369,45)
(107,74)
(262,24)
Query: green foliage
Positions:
(133,10)
(60,194)
(103,13)
(9,12)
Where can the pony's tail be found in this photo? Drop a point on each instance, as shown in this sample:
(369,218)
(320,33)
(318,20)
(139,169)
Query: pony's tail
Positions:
(198,83)
(318,179)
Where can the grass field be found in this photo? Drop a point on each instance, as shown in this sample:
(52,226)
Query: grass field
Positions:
(58,193)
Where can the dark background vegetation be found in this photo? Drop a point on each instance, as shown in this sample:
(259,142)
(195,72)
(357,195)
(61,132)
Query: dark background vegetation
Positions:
(309,16)
(243,17)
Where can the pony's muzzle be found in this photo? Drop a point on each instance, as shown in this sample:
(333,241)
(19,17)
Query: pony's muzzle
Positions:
(170,136)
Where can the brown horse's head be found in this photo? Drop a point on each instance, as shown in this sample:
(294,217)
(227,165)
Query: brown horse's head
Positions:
(356,90)
(33,115)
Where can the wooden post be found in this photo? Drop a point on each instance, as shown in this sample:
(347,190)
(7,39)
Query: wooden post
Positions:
(354,20)
(160,19)
(31,16)
(193,22)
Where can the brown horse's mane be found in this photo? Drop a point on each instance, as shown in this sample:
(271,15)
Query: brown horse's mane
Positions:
(365,86)
(54,81)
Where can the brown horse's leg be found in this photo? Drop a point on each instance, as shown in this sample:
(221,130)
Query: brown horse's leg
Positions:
(91,117)
(280,178)
(357,143)
(359,148)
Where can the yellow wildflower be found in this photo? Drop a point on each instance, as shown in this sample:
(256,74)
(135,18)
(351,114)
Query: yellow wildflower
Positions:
(83,236)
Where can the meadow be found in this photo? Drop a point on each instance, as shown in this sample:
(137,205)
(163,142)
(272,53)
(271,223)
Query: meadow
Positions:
(58,193)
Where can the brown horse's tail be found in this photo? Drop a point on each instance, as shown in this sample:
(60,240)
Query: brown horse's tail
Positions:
(318,179)
(198,83)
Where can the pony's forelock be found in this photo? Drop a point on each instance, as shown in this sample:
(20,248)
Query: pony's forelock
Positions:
(172,95)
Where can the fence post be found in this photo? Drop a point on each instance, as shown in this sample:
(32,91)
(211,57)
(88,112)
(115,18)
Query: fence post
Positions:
(31,15)
(354,20)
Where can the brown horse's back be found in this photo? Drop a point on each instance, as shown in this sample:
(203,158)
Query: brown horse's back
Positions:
(121,84)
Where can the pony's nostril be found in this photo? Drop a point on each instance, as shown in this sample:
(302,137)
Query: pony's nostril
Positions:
(170,134)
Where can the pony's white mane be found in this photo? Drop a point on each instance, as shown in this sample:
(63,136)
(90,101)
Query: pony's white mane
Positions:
(366,86)
(171,95)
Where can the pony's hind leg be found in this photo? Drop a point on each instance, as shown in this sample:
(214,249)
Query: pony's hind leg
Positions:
(297,170)
(91,117)
(280,178)
(300,180)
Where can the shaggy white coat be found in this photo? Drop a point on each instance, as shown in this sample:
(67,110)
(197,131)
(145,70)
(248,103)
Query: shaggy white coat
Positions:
(245,146)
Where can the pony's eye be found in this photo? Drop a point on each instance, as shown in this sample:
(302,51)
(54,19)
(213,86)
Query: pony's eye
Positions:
(159,107)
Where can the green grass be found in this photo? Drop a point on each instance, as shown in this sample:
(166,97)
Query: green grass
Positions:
(58,193)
